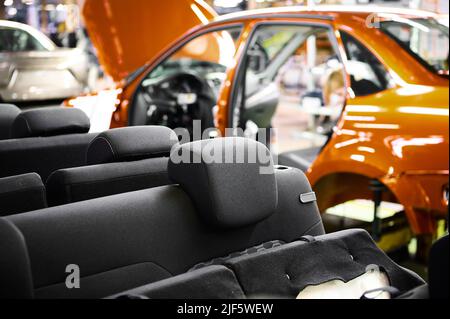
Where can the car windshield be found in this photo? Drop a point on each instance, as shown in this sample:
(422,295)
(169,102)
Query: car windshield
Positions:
(425,39)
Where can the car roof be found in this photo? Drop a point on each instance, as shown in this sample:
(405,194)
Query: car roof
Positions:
(323,11)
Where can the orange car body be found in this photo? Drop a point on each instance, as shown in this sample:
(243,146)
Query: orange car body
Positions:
(399,136)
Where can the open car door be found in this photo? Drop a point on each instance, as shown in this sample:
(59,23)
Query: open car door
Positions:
(127,34)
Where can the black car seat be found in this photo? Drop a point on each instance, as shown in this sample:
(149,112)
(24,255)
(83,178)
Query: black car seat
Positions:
(124,241)
(284,271)
(8,114)
(23,193)
(119,160)
(44,140)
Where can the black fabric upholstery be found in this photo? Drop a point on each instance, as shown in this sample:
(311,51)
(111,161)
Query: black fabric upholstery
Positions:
(213,282)
(100,285)
(130,144)
(248,251)
(50,121)
(134,238)
(87,182)
(43,155)
(439,269)
(21,193)
(285,271)
(8,114)
(225,182)
(15,275)
(158,226)
(291,183)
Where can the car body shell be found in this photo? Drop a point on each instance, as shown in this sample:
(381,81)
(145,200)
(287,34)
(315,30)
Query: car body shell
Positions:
(52,73)
(398,136)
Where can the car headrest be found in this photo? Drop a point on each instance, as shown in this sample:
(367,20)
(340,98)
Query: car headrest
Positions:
(130,144)
(8,114)
(14,189)
(50,121)
(230,180)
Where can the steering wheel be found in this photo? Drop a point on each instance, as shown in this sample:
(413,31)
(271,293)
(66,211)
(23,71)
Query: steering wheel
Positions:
(178,99)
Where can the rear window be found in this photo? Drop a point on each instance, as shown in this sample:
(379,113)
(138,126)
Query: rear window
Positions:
(16,40)
(425,39)
(367,74)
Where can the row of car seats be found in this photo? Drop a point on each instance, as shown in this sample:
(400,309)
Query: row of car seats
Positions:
(130,239)
(224,227)
(112,162)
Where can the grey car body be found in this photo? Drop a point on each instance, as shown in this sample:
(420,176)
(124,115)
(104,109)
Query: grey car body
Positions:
(32,68)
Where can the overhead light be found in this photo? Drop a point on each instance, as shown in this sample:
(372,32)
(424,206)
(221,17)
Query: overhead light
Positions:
(227,3)
(376,126)
(12,11)
(8,3)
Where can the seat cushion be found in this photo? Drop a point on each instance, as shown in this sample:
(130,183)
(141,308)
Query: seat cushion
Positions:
(213,282)
(50,121)
(285,271)
(21,193)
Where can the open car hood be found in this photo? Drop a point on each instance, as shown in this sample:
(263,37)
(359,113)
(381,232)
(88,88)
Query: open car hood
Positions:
(127,34)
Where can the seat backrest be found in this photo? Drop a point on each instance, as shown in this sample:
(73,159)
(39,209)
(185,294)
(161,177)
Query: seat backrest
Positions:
(126,159)
(45,140)
(127,240)
(21,193)
(8,114)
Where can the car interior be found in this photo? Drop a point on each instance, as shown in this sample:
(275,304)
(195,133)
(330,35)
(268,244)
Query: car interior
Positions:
(142,224)
(186,85)
(273,73)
